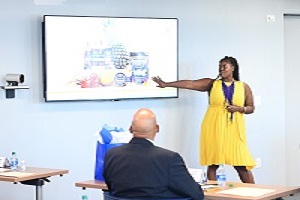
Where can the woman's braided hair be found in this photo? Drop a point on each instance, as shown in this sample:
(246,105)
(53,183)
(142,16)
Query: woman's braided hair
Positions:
(233,61)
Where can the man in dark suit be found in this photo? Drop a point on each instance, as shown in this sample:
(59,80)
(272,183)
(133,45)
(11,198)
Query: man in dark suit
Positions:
(140,169)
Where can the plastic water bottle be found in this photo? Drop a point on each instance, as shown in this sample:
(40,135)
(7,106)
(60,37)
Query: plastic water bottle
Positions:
(203,177)
(84,197)
(221,176)
(13,161)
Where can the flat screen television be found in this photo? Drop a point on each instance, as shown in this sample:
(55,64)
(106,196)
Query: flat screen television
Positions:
(108,58)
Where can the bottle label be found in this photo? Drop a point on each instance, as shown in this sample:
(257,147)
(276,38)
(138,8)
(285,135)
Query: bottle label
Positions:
(221,177)
(14,164)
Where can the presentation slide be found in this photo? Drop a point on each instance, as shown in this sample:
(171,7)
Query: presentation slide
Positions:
(108,58)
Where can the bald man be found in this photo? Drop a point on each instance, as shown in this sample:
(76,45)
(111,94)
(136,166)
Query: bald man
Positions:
(140,169)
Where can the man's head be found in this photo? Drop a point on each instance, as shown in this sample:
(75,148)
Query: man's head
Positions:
(144,124)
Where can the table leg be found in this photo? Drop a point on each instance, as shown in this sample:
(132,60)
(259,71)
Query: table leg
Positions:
(38,187)
(39,192)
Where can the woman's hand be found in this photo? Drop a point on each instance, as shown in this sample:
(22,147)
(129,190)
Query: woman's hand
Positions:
(160,82)
(234,108)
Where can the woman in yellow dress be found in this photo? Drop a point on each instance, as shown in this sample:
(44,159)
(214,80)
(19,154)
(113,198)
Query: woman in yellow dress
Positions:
(223,130)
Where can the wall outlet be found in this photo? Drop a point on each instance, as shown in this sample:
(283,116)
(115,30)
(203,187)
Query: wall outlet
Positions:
(258,162)
(257,100)
(271,18)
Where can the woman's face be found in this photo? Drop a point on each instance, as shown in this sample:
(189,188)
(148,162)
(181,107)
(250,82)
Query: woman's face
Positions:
(225,69)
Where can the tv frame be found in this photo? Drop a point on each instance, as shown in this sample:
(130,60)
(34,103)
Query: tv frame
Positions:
(160,91)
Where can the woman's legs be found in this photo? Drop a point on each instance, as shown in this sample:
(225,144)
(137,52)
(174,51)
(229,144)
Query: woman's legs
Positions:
(211,172)
(245,175)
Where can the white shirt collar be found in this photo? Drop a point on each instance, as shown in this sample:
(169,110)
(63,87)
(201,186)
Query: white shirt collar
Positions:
(150,140)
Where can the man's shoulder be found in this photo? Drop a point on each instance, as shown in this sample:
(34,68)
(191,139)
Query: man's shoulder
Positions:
(116,147)
(166,151)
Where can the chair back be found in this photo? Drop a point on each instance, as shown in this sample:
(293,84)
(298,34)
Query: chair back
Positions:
(108,196)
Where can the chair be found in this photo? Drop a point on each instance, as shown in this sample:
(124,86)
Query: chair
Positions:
(108,196)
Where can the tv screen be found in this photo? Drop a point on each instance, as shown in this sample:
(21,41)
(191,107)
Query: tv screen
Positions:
(108,58)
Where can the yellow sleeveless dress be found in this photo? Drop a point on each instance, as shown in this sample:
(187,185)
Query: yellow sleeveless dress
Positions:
(223,140)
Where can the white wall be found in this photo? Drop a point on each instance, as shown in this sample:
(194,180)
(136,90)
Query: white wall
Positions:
(60,135)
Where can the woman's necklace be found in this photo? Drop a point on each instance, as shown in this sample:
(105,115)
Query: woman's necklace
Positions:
(228,94)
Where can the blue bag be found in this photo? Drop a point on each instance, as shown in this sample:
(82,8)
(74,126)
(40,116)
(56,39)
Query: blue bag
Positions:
(102,148)
(100,153)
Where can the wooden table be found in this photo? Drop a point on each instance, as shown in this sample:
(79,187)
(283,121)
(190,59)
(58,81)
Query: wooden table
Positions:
(37,177)
(280,191)
(92,184)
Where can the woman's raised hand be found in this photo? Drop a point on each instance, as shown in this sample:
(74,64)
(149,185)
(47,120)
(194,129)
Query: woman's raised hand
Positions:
(158,80)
